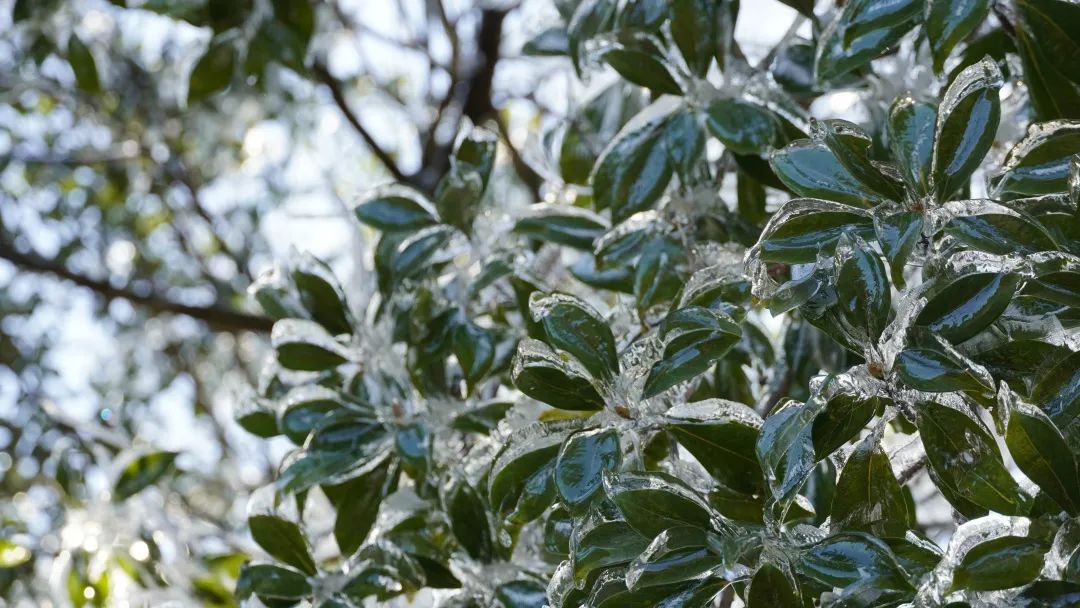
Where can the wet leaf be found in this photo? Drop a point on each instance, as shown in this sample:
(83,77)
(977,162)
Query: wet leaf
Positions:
(863,289)
(868,498)
(694,338)
(653,502)
(643,69)
(722,435)
(283,540)
(966,125)
(965,462)
(810,169)
(1001,563)
(1042,454)
(770,587)
(949,22)
(633,172)
(1039,163)
(141,473)
(543,375)
(581,465)
(968,305)
(911,131)
(743,127)
(572,325)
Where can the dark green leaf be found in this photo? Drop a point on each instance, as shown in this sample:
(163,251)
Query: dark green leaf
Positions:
(468,520)
(722,436)
(142,472)
(654,502)
(850,558)
(1001,563)
(414,253)
(396,210)
(581,465)
(966,126)
(213,72)
(82,63)
(1042,454)
(1039,163)
(845,414)
(643,69)
(803,227)
(863,289)
(785,447)
(633,172)
(743,127)
(685,141)
(868,498)
(694,338)
(695,29)
(270,582)
(675,555)
(560,224)
(601,543)
(1048,43)
(838,54)
(357,503)
(968,305)
(283,540)
(852,146)
(770,587)
(911,130)
(474,348)
(572,325)
(948,22)
(556,380)
(965,462)
(810,169)
(525,452)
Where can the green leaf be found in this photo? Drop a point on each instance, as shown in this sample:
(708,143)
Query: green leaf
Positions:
(570,226)
(852,147)
(142,472)
(911,131)
(654,502)
(674,556)
(474,348)
(525,452)
(863,289)
(633,172)
(657,278)
(803,227)
(694,338)
(743,127)
(966,306)
(572,325)
(321,295)
(948,22)
(770,587)
(283,540)
(558,381)
(1057,392)
(852,558)
(785,447)
(722,436)
(1001,233)
(302,408)
(838,54)
(1001,563)
(599,543)
(868,497)
(966,126)
(845,414)
(82,63)
(965,463)
(810,169)
(469,521)
(414,253)
(1048,44)
(1039,163)
(643,69)
(862,17)
(1042,454)
(305,346)
(357,503)
(213,72)
(396,210)
(898,234)
(931,364)
(685,142)
(581,465)
(483,418)
(270,582)
(695,28)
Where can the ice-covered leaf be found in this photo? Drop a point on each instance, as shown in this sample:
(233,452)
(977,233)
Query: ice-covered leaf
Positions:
(742,126)
(911,129)
(966,125)
(948,22)
(868,497)
(1041,452)
(570,324)
(811,169)
(633,172)
(1039,163)
(654,502)
(556,380)
(722,435)
(582,462)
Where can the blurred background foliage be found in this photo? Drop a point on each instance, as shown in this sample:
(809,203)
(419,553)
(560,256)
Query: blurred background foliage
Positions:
(154,157)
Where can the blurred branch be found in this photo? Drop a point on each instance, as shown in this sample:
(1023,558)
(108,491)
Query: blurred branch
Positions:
(324,76)
(216,316)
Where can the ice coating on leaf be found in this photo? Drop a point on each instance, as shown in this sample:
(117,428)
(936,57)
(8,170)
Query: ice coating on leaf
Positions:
(641,221)
(541,304)
(941,215)
(288,331)
(983,74)
(894,338)
(561,583)
(534,352)
(716,411)
(1038,135)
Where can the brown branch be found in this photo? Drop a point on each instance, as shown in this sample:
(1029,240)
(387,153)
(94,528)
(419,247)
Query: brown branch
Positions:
(215,316)
(324,76)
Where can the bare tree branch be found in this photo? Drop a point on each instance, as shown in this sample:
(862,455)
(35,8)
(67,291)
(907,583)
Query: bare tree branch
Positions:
(338,94)
(216,316)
